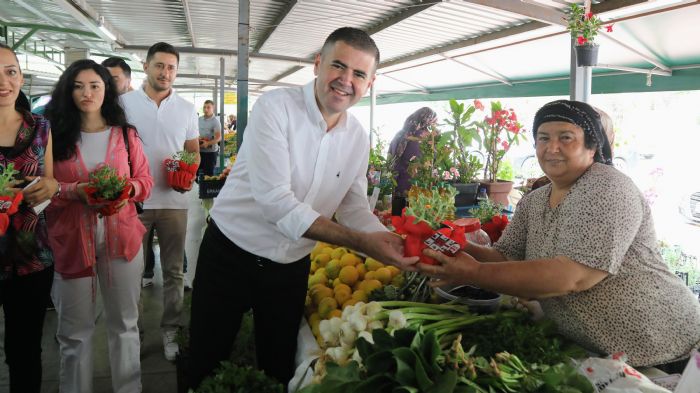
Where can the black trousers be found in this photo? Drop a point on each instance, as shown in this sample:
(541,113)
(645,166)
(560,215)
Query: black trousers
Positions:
(24,301)
(229,282)
(207,162)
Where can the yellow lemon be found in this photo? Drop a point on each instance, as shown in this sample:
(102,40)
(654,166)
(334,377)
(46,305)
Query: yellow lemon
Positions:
(371,275)
(342,296)
(327,305)
(332,269)
(322,293)
(370,285)
(348,275)
(335,314)
(359,296)
(372,264)
(317,279)
(313,267)
(350,302)
(342,288)
(394,270)
(383,274)
(338,252)
(361,270)
(322,259)
(350,259)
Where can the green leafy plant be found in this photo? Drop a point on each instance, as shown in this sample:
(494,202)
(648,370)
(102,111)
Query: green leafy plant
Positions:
(432,167)
(461,136)
(583,26)
(185,156)
(7,175)
(433,205)
(107,183)
(378,163)
(505,172)
(486,210)
(232,378)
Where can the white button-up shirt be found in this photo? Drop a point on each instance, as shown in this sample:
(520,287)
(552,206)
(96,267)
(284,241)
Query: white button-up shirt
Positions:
(288,172)
(163,130)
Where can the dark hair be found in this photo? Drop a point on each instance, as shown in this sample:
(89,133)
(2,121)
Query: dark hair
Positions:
(118,62)
(162,47)
(209,102)
(21,102)
(419,119)
(356,38)
(65,116)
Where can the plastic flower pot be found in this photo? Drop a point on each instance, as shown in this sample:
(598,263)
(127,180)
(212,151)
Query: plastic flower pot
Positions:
(586,55)
(110,204)
(9,204)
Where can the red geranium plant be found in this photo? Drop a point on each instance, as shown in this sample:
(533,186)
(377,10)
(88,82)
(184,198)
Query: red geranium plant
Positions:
(106,188)
(496,133)
(181,169)
(9,200)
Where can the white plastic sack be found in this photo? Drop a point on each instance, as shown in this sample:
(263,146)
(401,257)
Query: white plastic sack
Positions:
(613,375)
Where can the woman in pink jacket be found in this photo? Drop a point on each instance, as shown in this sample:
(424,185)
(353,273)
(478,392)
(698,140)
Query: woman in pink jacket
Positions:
(89,126)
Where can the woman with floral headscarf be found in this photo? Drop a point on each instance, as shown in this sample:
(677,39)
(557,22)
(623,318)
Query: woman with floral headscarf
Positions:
(584,246)
(403,149)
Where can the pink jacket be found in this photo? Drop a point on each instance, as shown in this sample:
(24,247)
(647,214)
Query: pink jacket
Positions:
(72,223)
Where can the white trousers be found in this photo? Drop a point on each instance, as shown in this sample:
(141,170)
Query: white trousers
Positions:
(120,287)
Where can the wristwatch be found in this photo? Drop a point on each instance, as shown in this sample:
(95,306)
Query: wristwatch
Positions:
(58,191)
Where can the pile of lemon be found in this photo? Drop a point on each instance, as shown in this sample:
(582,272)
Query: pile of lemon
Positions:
(339,278)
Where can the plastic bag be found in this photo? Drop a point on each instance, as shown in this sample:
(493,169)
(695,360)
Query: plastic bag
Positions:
(613,375)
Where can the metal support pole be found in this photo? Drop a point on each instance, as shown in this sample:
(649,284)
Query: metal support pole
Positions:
(222,81)
(243,56)
(580,80)
(372,108)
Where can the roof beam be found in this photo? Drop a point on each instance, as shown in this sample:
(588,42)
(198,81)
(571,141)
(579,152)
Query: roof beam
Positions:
(49,28)
(605,6)
(418,6)
(533,11)
(88,17)
(24,38)
(479,70)
(220,52)
(273,26)
(188,20)
(422,89)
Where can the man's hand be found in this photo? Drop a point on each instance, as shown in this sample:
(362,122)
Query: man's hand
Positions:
(457,270)
(387,247)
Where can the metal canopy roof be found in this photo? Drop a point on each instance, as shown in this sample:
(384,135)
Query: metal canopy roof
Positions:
(430,49)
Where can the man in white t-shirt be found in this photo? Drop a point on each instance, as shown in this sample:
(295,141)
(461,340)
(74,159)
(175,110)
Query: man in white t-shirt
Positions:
(304,159)
(166,123)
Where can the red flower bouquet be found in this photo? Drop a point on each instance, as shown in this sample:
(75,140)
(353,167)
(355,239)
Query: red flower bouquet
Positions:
(106,188)
(181,169)
(428,212)
(9,200)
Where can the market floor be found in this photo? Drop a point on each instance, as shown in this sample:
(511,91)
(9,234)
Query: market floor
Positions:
(157,374)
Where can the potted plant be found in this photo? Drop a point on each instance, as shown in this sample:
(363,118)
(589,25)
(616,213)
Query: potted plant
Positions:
(181,169)
(493,222)
(106,188)
(379,174)
(9,200)
(584,27)
(496,133)
(466,164)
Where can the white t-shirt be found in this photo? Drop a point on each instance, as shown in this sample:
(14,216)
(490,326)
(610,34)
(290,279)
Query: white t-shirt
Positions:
(93,147)
(288,172)
(163,130)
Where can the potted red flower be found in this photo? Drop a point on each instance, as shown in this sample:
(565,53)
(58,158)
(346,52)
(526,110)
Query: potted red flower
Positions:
(497,132)
(584,27)
(9,200)
(181,169)
(106,189)
(493,222)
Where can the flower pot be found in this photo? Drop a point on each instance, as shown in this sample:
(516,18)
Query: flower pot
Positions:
(498,191)
(586,55)
(467,194)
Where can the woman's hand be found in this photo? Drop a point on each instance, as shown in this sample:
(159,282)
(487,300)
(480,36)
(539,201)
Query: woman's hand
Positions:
(40,191)
(460,269)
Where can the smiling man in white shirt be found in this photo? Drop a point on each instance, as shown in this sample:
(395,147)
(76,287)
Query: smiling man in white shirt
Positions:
(304,158)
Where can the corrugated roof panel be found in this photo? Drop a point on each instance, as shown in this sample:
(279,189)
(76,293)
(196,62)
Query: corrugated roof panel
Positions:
(309,23)
(441,25)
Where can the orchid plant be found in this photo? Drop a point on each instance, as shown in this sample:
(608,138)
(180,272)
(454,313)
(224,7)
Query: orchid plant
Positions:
(584,26)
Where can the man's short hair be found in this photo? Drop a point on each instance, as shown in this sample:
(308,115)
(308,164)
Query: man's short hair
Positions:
(209,102)
(356,38)
(118,62)
(162,47)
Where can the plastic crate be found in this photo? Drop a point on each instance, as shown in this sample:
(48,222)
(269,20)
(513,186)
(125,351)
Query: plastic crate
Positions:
(210,188)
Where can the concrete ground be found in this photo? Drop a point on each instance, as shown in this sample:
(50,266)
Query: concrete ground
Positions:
(158,374)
